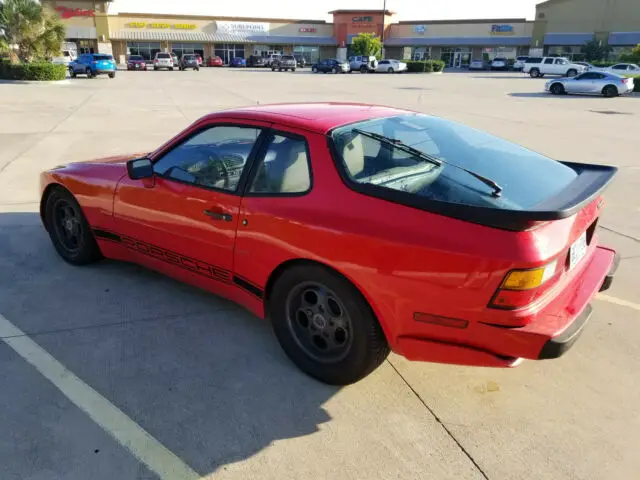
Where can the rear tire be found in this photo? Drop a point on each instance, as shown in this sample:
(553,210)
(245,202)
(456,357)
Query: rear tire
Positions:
(293,69)
(335,70)
(314,70)
(557,89)
(112,75)
(363,70)
(69,230)
(610,91)
(89,73)
(534,73)
(325,326)
(390,70)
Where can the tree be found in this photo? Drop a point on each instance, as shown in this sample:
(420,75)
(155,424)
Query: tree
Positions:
(595,50)
(366,44)
(29,30)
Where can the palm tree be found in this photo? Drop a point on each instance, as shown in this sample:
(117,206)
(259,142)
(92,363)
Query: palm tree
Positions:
(29,30)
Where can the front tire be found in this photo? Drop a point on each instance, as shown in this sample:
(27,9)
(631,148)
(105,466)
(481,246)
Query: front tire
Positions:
(112,75)
(314,70)
(325,326)
(390,70)
(557,89)
(335,70)
(69,230)
(89,73)
(534,73)
(610,91)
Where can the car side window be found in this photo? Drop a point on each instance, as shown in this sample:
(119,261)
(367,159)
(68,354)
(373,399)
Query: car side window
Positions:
(548,61)
(599,76)
(284,168)
(215,157)
(619,67)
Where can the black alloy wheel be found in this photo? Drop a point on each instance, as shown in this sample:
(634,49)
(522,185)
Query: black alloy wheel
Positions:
(69,230)
(325,325)
(610,91)
(557,89)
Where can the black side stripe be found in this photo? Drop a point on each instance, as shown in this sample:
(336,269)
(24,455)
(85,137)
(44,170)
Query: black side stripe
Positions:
(188,263)
(248,286)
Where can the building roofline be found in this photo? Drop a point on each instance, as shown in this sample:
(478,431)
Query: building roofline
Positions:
(210,17)
(361,10)
(548,2)
(466,21)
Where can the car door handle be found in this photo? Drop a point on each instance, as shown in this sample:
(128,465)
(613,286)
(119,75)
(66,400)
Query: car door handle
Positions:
(218,215)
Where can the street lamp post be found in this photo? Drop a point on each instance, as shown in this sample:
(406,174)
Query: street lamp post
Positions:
(384,17)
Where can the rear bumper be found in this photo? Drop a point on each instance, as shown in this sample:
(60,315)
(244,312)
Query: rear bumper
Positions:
(553,332)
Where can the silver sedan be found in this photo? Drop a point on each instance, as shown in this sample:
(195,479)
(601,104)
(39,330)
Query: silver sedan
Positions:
(595,83)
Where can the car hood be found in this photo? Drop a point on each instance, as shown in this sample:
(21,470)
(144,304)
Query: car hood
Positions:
(117,162)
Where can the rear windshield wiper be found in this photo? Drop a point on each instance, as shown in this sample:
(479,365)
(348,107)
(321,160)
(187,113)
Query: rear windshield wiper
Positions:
(497,189)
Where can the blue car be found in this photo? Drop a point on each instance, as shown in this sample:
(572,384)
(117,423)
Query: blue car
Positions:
(238,62)
(93,64)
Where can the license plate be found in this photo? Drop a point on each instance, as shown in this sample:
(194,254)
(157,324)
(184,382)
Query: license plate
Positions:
(578,250)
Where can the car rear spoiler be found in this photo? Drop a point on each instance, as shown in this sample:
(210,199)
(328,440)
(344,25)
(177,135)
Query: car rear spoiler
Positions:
(591,181)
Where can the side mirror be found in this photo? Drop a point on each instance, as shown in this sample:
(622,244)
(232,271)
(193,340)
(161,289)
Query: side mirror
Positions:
(140,168)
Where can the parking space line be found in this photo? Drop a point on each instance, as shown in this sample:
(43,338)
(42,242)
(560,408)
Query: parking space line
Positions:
(618,301)
(115,422)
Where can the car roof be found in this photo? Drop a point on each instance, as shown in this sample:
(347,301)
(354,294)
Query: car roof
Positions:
(314,117)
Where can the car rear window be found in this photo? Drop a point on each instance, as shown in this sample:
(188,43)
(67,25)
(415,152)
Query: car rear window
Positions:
(102,57)
(527,178)
(136,57)
(164,55)
(189,57)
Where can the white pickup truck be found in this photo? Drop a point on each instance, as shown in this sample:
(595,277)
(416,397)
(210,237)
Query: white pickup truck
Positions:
(541,66)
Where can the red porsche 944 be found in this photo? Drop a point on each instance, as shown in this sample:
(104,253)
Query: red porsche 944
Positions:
(356,230)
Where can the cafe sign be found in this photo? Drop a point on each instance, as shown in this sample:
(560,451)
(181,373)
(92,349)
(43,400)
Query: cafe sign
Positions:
(74,12)
(502,30)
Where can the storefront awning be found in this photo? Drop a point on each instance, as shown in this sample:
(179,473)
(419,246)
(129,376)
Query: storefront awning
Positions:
(88,33)
(498,41)
(624,38)
(567,39)
(285,40)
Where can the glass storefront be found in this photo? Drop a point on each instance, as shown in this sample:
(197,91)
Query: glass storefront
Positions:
(421,53)
(228,51)
(310,54)
(456,57)
(146,50)
(571,52)
(183,48)
(490,53)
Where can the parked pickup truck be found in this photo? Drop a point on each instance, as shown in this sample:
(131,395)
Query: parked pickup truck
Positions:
(541,66)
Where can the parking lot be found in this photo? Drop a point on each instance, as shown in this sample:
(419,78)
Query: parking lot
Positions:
(115,372)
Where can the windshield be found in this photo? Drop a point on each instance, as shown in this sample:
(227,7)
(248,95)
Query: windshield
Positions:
(525,177)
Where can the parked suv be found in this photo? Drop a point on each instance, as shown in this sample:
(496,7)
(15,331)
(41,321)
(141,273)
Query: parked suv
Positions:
(272,58)
(286,62)
(256,61)
(363,64)
(189,61)
(163,60)
(552,66)
(93,64)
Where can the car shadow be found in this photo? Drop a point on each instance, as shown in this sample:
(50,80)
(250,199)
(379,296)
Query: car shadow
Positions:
(550,95)
(204,377)
(498,76)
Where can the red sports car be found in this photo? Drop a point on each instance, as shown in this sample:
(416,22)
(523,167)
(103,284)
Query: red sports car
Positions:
(355,229)
(216,62)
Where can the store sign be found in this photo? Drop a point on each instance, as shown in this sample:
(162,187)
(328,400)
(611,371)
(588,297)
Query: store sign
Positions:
(155,26)
(243,28)
(307,30)
(420,29)
(502,30)
(362,19)
(74,12)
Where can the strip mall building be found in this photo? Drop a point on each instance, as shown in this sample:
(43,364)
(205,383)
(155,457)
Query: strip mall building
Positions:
(560,28)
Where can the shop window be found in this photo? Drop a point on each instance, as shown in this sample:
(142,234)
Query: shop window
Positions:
(309,53)
(146,50)
(180,49)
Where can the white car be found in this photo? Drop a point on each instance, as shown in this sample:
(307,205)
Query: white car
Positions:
(499,63)
(163,60)
(391,66)
(65,59)
(519,63)
(539,67)
(624,69)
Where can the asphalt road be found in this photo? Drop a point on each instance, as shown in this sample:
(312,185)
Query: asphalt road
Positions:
(115,372)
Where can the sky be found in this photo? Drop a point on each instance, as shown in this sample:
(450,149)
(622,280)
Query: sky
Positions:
(317,10)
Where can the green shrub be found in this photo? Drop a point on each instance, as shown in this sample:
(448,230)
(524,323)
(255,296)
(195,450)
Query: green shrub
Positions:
(41,71)
(603,63)
(425,66)
(636,82)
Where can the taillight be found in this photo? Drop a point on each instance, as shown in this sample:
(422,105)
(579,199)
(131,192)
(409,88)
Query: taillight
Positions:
(625,80)
(522,287)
